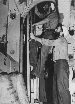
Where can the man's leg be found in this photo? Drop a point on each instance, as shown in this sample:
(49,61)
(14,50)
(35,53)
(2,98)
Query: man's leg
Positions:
(44,54)
(63,83)
(55,99)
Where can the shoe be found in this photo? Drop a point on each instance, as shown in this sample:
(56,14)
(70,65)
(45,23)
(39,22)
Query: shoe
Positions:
(35,74)
(32,76)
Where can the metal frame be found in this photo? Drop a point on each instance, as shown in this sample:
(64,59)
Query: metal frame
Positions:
(26,13)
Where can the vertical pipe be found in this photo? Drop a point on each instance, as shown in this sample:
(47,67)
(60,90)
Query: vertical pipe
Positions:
(21,46)
(31,94)
(6,36)
(31,21)
(6,29)
(28,65)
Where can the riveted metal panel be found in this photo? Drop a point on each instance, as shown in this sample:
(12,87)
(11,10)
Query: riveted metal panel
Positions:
(13,37)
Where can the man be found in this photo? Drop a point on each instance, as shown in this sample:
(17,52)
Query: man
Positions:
(44,82)
(61,92)
(45,50)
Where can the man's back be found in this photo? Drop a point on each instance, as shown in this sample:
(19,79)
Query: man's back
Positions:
(61,49)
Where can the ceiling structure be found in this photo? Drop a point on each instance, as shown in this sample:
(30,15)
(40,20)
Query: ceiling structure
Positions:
(64,12)
(24,6)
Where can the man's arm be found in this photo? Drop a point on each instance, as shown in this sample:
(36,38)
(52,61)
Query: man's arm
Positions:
(47,42)
(43,41)
(42,22)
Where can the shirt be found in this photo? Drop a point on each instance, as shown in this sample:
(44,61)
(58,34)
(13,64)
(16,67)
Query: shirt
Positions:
(61,48)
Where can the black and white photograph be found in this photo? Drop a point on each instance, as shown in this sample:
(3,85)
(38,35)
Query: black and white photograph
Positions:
(37,51)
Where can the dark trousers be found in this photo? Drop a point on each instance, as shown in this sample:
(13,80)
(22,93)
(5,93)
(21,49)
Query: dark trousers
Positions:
(61,94)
